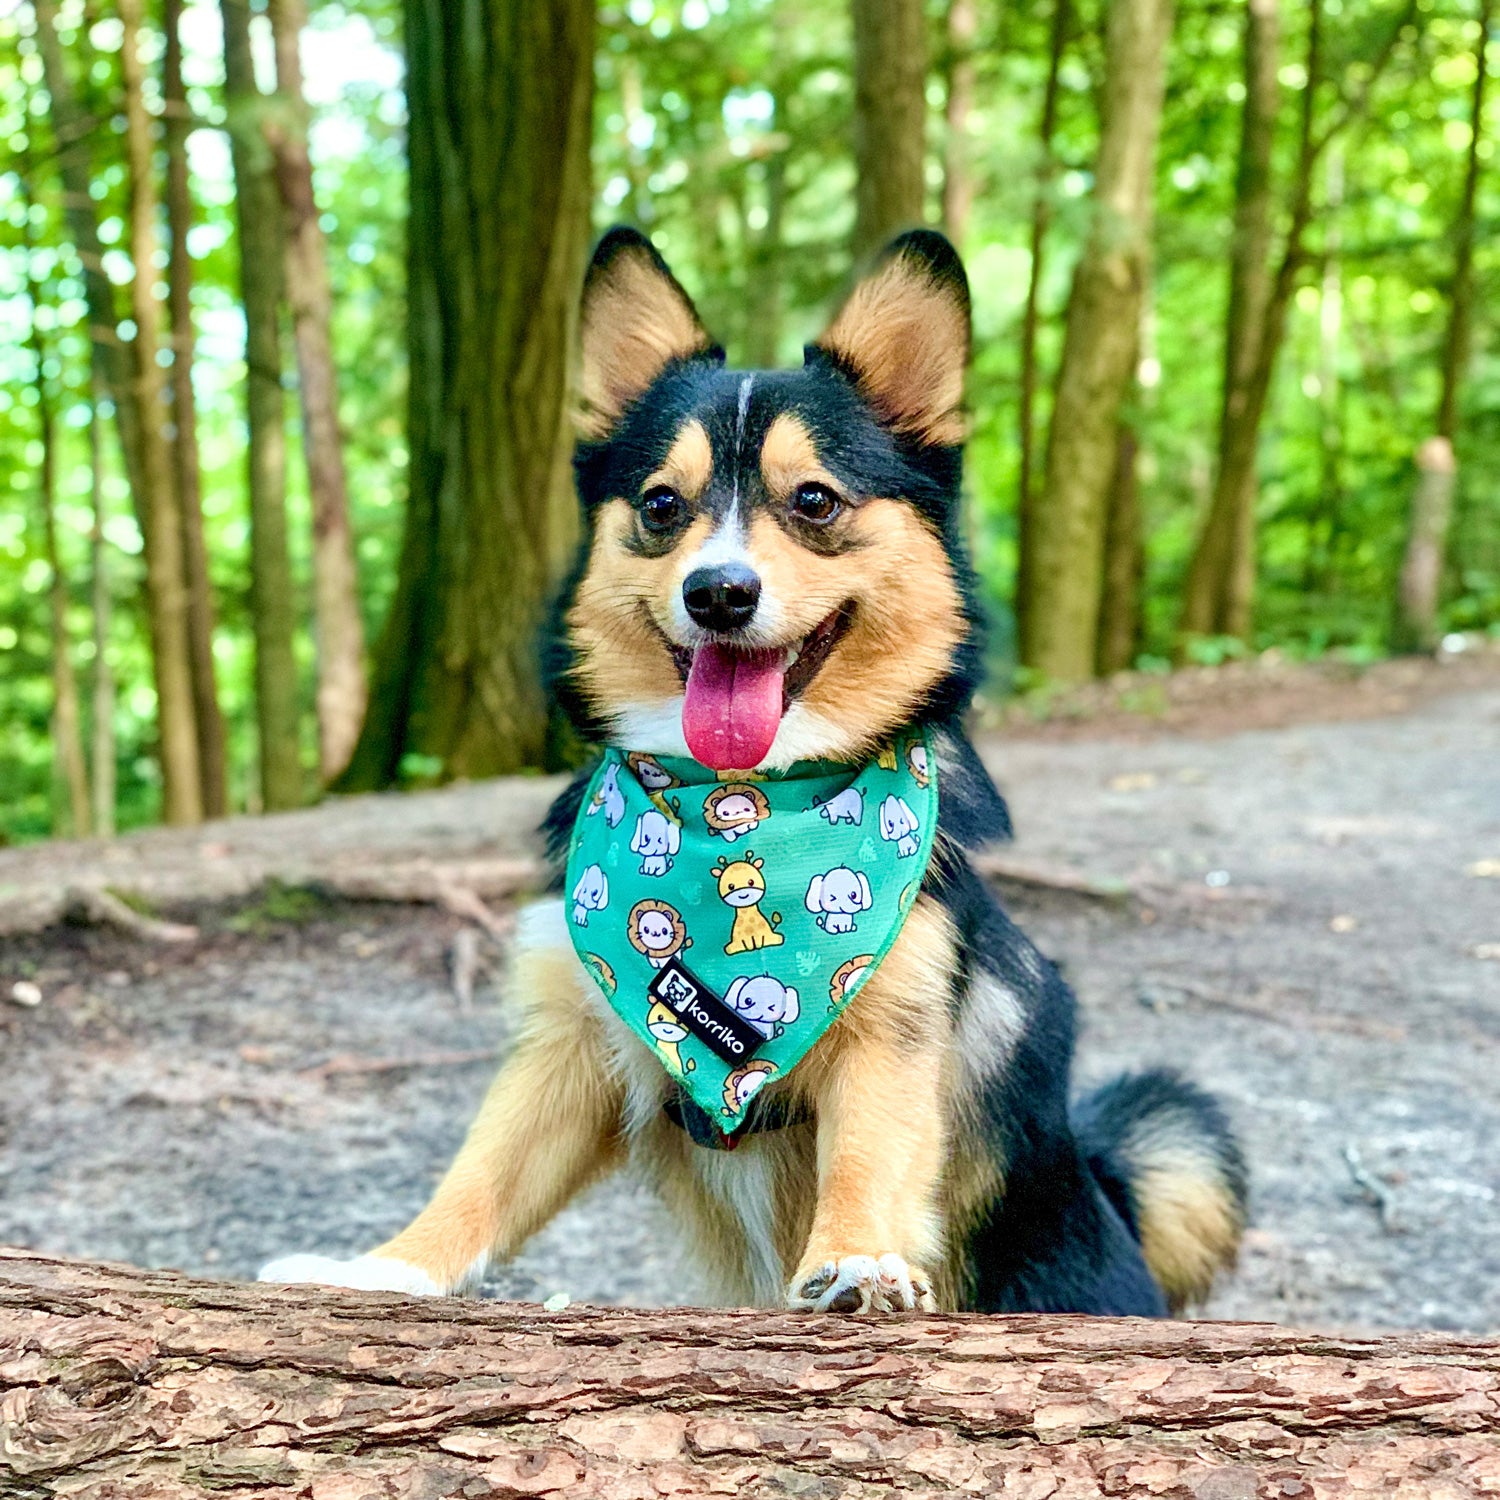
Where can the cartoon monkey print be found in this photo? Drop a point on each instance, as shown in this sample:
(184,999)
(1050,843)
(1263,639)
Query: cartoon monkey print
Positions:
(658,931)
(734,810)
(745,1083)
(741,885)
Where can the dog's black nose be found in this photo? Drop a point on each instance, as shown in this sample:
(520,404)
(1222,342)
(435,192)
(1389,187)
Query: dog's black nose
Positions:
(722,597)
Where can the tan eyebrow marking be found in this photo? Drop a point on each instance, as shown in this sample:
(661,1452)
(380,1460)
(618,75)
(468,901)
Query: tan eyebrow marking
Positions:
(789,457)
(689,464)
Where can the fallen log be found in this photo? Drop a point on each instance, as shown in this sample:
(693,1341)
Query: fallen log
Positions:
(128,1384)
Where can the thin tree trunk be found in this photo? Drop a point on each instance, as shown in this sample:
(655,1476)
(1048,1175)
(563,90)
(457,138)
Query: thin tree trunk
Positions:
(501,103)
(1041,217)
(1223,538)
(166,584)
(342,689)
(208,718)
(763,336)
(272,600)
(1124,561)
(102,748)
(1104,310)
(890,119)
(73,129)
(1220,593)
(70,815)
(958,167)
(1419,587)
(1321,560)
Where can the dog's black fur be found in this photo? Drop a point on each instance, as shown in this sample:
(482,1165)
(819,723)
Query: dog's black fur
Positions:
(1064,1235)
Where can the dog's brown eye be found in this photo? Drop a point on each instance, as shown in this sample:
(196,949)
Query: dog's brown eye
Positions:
(816,503)
(661,508)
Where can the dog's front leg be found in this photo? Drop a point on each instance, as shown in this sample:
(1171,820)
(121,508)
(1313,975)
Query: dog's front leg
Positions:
(549,1125)
(877,1090)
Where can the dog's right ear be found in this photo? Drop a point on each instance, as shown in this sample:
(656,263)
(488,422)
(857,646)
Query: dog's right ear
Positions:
(636,321)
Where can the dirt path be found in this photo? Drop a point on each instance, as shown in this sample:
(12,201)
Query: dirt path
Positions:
(298,1077)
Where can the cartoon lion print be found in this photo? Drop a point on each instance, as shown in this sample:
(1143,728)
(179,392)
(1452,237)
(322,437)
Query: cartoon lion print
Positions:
(735,809)
(657,930)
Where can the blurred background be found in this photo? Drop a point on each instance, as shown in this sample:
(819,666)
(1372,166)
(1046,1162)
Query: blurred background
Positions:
(287,295)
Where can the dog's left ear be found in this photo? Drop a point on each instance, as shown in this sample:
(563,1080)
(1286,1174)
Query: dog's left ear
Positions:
(903,337)
(636,321)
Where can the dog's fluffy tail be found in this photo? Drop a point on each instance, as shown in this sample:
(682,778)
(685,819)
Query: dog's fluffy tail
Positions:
(1165,1155)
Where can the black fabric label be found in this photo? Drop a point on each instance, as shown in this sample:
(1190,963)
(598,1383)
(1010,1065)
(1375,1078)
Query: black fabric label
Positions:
(720,1029)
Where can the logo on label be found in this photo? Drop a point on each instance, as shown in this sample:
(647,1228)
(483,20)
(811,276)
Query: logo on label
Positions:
(728,1035)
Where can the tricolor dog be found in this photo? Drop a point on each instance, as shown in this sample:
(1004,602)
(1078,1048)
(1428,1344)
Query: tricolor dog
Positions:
(772,636)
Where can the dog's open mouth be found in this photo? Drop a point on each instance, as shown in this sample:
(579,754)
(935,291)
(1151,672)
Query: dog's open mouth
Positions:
(735,698)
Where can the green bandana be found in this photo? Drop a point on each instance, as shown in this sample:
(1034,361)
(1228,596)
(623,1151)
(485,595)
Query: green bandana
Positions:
(729,918)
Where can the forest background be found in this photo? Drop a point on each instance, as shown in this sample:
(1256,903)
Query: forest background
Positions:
(1234,386)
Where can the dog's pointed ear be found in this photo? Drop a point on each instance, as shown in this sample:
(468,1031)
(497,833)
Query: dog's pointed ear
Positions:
(636,321)
(903,338)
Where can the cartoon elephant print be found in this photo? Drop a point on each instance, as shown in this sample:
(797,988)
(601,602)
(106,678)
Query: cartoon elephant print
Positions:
(609,796)
(848,806)
(767,1004)
(657,838)
(899,825)
(590,894)
(837,895)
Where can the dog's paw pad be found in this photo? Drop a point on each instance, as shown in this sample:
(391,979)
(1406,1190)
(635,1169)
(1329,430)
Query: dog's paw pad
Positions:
(862,1283)
(365,1273)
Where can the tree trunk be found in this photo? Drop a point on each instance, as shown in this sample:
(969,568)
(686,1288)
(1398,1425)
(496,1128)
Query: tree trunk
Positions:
(1419,589)
(166,581)
(1124,561)
(1222,543)
(890,119)
(133,1384)
(1065,578)
(1041,217)
(272,600)
(70,815)
(958,168)
(501,100)
(73,131)
(102,746)
(342,689)
(200,609)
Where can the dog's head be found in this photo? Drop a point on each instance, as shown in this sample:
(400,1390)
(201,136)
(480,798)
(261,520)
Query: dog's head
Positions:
(772,569)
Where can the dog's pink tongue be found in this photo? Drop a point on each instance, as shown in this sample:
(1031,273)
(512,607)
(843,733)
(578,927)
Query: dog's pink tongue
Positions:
(733,706)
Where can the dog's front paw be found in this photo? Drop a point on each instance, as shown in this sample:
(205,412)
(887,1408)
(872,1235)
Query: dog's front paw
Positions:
(861,1283)
(365,1273)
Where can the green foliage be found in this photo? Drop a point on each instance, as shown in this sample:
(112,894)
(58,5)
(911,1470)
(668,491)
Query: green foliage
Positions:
(723,127)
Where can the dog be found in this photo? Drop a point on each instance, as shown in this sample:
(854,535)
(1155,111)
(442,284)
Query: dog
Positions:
(925,1153)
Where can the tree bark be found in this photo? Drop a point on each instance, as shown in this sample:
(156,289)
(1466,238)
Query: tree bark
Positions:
(342,690)
(70,815)
(1041,218)
(1419,587)
(200,607)
(501,102)
(1065,579)
(1124,561)
(958,167)
(130,1384)
(102,744)
(166,580)
(890,120)
(1228,534)
(272,601)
